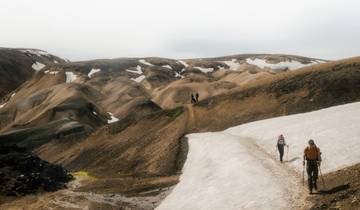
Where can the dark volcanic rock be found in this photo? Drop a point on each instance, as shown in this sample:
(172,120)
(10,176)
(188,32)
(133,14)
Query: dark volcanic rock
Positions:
(22,173)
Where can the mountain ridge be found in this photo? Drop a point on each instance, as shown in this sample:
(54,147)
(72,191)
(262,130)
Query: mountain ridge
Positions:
(125,120)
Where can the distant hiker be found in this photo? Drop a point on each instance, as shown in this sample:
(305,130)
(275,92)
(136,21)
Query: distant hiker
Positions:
(193,98)
(280,146)
(312,155)
(197,97)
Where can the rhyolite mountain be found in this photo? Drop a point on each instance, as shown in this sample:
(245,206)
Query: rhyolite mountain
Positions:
(18,65)
(124,120)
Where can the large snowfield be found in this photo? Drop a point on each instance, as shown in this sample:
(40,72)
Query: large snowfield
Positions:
(70,77)
(291,65)
(239,169)
(37,66)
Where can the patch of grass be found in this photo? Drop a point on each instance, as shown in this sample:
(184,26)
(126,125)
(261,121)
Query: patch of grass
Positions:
(174,113)
(83,174)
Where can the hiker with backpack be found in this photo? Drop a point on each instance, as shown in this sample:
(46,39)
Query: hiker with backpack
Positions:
(280,146)
(193,98)
(312,156)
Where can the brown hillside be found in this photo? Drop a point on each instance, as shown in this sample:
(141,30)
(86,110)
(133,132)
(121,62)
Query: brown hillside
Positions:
(16,66)
(69,122)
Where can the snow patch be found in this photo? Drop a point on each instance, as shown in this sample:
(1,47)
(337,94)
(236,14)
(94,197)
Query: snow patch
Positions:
(183,63)
(291,65)
(233,65)
(320,61)
(137,71)
(145,62)
(36,52)
(112,118)
(37,66)
(11,96)
(139,79)
(167,66)
(93,71)
(2,105)
(70,76)
(51,72)
(205,70)
(55,61)
(177,75)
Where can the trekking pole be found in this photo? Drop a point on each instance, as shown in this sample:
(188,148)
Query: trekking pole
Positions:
(322,178)
(303,174)
(287,154)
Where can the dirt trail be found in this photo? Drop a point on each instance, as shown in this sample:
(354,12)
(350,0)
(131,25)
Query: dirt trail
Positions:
(191,122)
(289,179)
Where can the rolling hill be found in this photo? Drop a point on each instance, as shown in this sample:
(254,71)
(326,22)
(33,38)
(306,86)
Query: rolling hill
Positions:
(124,121)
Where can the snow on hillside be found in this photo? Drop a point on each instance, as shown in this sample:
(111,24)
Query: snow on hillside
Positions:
(112,118)
(2,105)
(205,70)
(183,63)
(145,62)
(291,65)
(36,52)
(139,78)
(178,75)
(37,66)
(70,76)
(167,66)
(137,71)
(233,64)
(239,169)
(51,72)
(93,71)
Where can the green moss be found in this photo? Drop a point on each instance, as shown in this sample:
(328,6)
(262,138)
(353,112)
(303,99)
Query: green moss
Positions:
(174,113)
(83,174)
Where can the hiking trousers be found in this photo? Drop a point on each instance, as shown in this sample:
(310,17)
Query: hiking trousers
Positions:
(281,151)
(312,172)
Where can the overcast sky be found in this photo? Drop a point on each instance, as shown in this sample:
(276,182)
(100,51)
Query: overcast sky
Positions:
(88,29)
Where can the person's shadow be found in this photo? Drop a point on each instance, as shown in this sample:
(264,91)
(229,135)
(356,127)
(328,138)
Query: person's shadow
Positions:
(335,189)
(292,160)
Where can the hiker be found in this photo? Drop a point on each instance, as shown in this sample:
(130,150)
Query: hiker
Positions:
(280,146)
(193,98)
(312,155)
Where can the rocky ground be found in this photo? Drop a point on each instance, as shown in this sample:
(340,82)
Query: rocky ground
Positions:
(74,197)
(341,190)
(23,173)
